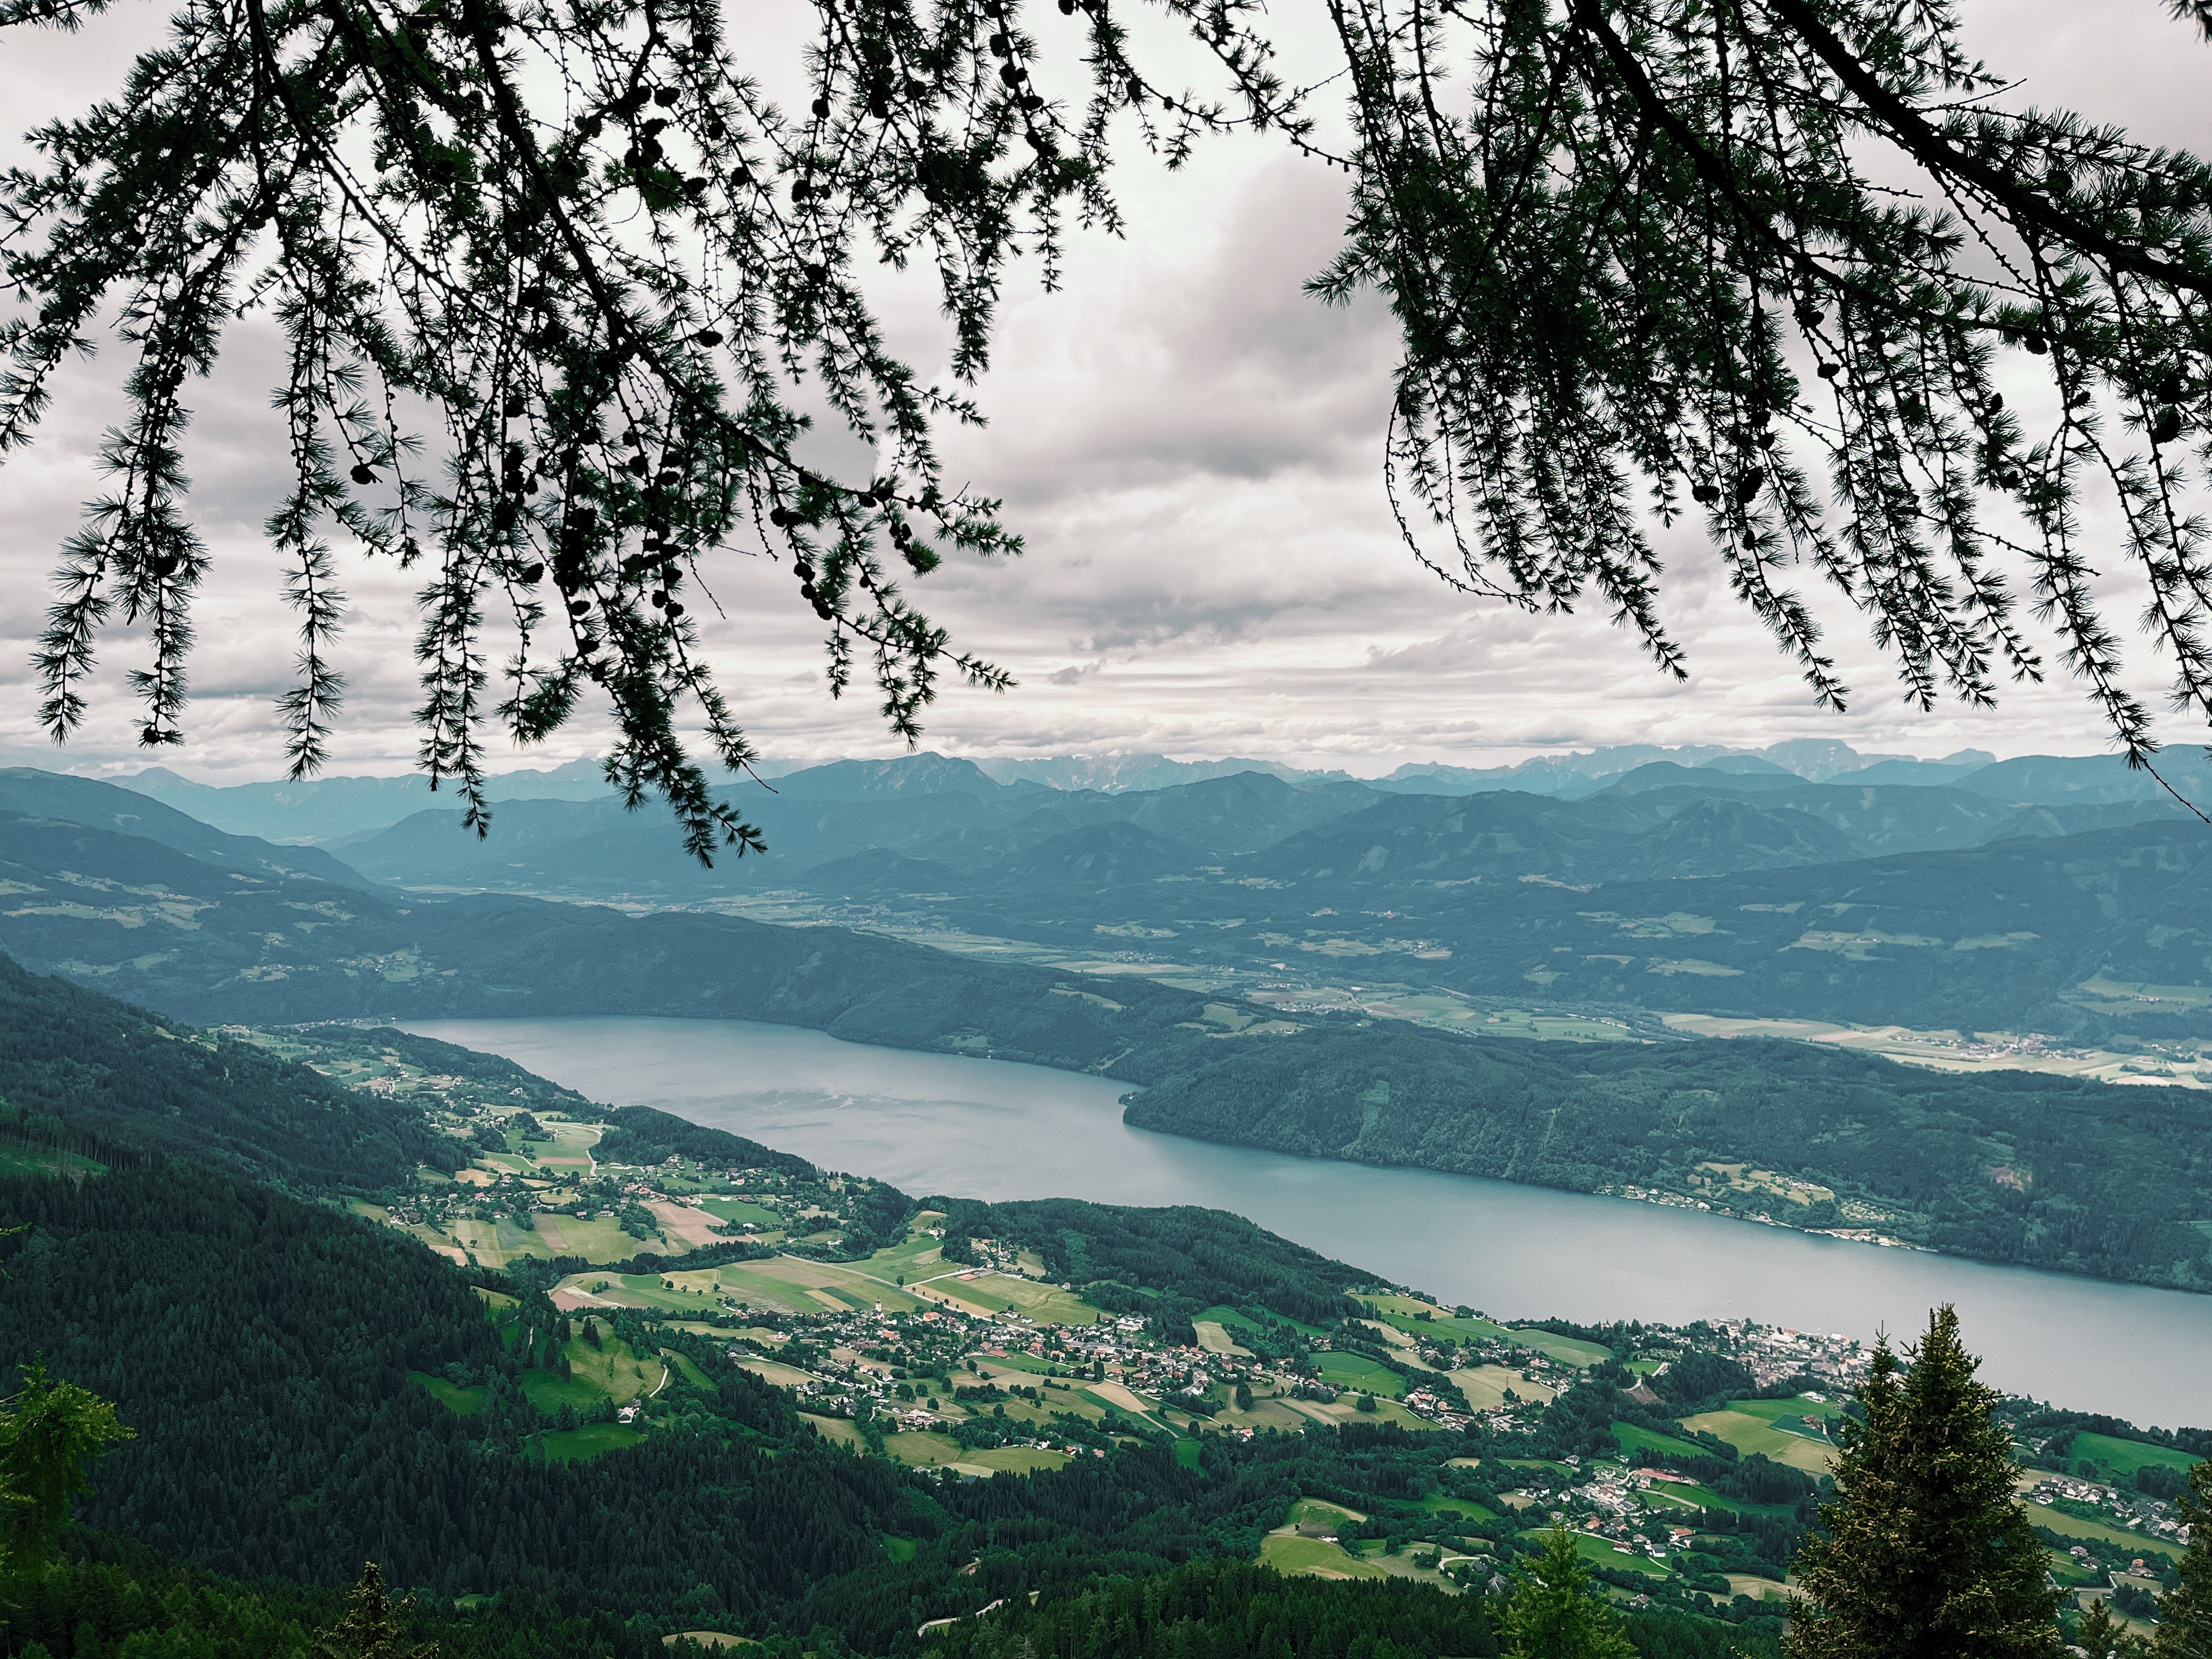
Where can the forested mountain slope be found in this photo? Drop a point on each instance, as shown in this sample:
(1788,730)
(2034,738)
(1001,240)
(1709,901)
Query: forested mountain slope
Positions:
(2101,933)
(203,944)
(262,1349)
(40,795)
(2005,1166)
(118,1072)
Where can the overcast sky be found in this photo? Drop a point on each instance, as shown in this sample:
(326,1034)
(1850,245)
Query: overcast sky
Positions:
(1192,449)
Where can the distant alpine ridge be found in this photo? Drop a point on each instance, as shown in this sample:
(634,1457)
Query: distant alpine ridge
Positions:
(325,809)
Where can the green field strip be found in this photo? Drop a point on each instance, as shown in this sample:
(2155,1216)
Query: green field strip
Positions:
(1632,1438)
(2073,1526)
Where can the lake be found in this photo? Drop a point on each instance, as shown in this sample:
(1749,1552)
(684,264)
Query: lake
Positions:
(938,1123)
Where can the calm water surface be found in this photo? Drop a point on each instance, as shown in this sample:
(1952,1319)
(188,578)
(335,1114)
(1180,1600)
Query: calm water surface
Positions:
(935,1123)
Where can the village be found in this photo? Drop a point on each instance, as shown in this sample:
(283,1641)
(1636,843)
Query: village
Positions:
(964,1360)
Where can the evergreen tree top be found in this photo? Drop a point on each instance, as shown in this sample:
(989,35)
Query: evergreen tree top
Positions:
(1929,1553)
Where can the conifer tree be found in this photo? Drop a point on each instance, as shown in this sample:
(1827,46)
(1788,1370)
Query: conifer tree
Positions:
(374,1626)
(1929,1553)
(1554,1615)
(2101,1636)
(2184,1628)
(50,1431)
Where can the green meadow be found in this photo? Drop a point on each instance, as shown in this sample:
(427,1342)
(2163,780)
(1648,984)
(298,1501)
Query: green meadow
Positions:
(462,1402)
(1634,1439)
(1405,1313)
(1358,1373)
(1599,1552)
(2117,1459)
(2073,1526)
(593,1439)
(1289,1554)
(1786,1431)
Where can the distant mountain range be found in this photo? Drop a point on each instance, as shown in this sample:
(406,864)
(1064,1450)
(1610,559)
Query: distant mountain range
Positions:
(329,809)
(2042,893)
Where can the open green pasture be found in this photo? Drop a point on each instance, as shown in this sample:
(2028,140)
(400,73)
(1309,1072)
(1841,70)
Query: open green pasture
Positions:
(1356,1372)
(1437,1503)
(777,1373)
(1037,1300)
(1237,1320)
(595,1238)
(1786,1431)
(1289,1554)
(2073,1526)
(1405,1313)
(738,1211)
(20,1158)
(462,1402)
(593,1439)
(1320,1509)
(1485,1386)
(1684,1495)
(688,1370)
(2117,1459)
(1599,1552)
(1227,1317)
(1567,1350)
(1634,1438)
(1775,1411)
(612,1371)
(1028,1363)
(2066,1570)
(917,1256)
(921,1450)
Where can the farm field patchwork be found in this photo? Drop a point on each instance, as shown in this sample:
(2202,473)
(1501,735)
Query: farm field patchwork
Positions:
(1485,1386)
(2073,1526)
(1786,1431)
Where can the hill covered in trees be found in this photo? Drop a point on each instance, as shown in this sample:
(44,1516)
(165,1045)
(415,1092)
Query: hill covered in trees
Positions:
(2005,1166)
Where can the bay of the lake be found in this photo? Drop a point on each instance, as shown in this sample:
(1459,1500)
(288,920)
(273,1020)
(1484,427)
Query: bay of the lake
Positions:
(941,1124)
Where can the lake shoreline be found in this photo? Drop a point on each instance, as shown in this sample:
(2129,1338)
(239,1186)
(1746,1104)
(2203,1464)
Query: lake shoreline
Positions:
(933,1122)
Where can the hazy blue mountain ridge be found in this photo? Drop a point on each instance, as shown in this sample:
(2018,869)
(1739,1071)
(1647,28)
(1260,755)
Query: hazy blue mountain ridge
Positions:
(1651,897)
(596,849)
(2098,934)
(55,795)
(1720,835)
(320,808)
